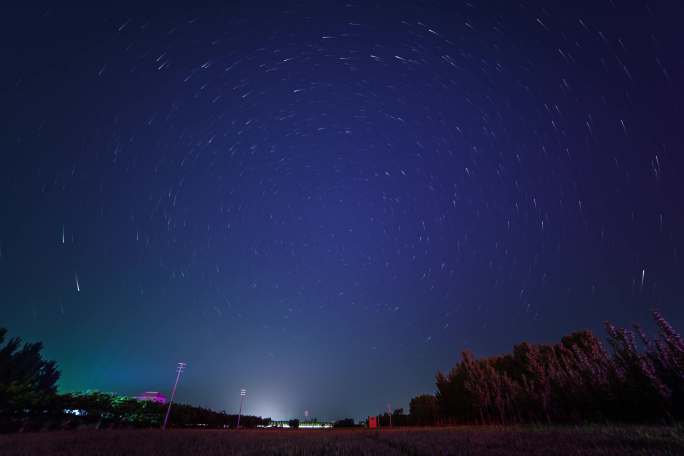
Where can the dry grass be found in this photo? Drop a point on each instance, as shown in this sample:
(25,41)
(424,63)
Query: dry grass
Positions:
(466,440)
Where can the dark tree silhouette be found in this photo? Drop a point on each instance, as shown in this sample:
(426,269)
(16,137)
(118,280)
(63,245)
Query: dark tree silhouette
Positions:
(344,423)
(28,383)
(423,409)
(575,380)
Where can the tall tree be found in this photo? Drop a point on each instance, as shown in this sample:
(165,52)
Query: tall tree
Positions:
(423,409)
(28,383)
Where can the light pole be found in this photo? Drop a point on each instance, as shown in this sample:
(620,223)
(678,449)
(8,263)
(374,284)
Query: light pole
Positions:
(243,396)
(179,370)
(389,412)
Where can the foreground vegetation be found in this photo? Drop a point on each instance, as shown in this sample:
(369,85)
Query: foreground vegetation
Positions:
(640,380)
(465,440)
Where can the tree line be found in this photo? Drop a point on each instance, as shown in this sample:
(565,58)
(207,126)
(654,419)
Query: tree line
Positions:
(29,400)
(639,379)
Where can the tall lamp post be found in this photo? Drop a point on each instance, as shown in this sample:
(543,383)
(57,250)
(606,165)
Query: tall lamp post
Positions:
(243,396)
(179,370)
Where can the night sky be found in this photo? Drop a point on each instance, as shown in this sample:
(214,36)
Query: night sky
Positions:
(327,202)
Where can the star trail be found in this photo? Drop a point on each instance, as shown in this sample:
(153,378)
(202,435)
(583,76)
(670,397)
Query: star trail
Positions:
(326,202)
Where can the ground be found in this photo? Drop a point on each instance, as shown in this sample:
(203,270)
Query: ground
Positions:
(465,440)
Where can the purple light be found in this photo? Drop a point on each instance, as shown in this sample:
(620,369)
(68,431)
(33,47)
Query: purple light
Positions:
(152,396)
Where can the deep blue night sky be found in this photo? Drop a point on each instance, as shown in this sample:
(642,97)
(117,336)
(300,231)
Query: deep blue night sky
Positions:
(326,202)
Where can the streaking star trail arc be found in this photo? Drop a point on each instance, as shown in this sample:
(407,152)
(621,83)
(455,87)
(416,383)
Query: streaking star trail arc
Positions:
(326,203)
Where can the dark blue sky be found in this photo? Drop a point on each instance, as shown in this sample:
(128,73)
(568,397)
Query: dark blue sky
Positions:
(326,202)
